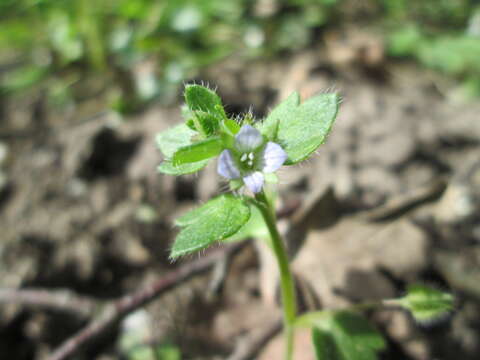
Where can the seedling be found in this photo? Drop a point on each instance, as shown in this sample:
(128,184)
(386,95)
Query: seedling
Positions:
(249,153)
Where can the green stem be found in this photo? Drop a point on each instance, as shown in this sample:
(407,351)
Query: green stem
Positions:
(286,278)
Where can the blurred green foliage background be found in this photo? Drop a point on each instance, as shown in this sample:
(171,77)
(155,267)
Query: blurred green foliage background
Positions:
(146,49)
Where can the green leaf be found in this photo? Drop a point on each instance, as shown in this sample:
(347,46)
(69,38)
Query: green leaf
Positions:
(235,184)
(205,110)
(167,352)
(355,337)
(166,167)
(302,129)
(188,115)
(426,304)
(269,127)
(228,129)
(193,215)
(198,151)
(342,335)
(255,228)
(169,141)
(209,123)
(141,353)
(201,98)
(231,126)
(190,123)
(216,220)
(324,345)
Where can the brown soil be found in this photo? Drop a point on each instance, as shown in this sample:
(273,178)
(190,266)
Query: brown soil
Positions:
(83,208)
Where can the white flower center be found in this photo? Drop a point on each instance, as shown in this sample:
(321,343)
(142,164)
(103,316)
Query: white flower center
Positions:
(248,158)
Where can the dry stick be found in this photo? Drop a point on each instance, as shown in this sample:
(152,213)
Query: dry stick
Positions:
(85,307)
(60,300)
(115,311)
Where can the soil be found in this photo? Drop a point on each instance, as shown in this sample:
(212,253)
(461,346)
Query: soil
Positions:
(392,198)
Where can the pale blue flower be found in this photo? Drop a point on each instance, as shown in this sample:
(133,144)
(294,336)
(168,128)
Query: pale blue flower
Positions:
(250,158)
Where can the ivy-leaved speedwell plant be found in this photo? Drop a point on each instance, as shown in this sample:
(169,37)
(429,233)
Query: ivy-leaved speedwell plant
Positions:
(249,153)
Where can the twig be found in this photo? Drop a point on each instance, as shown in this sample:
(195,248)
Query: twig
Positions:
(60,300)
(112,312)
(116,310)
(401,204)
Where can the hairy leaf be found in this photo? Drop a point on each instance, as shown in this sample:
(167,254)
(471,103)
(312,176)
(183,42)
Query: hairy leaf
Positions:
(254,228)
(425,303)
(169,141)
(269,127)
(198,151)
(302,129)
(324,345)
(231,126)
(355,337)
(208,122)
(343,335)
(200,98)
(216,220)
(167,167)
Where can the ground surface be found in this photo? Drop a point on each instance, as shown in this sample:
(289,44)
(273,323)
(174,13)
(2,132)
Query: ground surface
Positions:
(392,198)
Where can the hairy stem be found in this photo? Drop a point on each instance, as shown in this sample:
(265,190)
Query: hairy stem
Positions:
(286,278)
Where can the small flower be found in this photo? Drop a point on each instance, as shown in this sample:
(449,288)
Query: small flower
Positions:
(250,158)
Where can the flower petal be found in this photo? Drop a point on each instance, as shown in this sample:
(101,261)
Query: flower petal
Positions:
(248,139)
(273,157)
(254,181)
(226,166)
